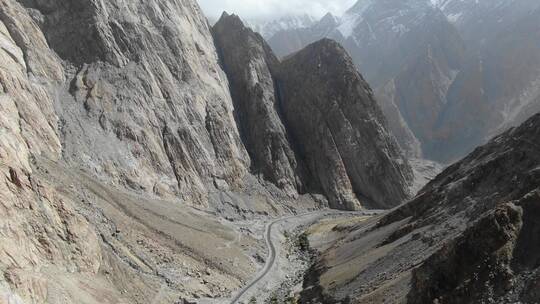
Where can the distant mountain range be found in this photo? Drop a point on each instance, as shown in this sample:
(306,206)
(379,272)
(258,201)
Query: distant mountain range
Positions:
(449,74)
(269,27)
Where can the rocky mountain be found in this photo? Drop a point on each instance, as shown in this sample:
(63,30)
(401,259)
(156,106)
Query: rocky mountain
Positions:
(311,121)
(133,171)
(412,58)
(497,89)
(434,69)
(250,66)
(328,104)
(470,236)
(145,157)
(389,38)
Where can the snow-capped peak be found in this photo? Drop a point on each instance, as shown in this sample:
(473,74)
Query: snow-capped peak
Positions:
(353,17)
(268,27)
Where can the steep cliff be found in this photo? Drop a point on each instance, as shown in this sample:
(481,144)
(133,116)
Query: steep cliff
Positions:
(250,64)
(153,110)
(340,130)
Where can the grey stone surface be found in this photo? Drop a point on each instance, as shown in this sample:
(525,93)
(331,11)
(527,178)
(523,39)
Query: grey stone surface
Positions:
(340,130)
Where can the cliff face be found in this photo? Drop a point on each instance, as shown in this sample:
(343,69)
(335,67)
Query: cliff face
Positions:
(250,65)
(311,122)
(340,129)
(153,111)
(134,100)
(470,236)
(38,227)
(116,89)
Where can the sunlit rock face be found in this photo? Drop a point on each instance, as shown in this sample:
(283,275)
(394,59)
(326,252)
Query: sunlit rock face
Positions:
(142,105)
(132,93)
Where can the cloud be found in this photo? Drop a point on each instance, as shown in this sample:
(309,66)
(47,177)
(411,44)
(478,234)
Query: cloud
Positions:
(273,8)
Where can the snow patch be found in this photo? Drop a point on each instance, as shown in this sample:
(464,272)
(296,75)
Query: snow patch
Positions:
(519,104)
(353,17)
(454,18)
(424,171)
(268,28)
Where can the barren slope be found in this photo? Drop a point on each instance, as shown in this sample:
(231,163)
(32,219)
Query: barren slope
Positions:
(471,235)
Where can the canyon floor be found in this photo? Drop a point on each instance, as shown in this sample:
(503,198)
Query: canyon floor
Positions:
(241,247)
(225,253)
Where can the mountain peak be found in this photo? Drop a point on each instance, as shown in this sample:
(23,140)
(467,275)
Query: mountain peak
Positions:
(335,91)
(328,50)
(328,20)
(269,27)
(224,15)
(232,19)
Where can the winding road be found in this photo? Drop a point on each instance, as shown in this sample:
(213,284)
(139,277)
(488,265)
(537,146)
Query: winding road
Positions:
(270,260)
(272,252)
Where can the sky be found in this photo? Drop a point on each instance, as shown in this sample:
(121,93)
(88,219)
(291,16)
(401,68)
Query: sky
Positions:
(274,8)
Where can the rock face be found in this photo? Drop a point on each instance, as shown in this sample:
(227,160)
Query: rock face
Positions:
(310,123)
(470,236)
(339,128)
(138,117)
(116,89)
(250,65)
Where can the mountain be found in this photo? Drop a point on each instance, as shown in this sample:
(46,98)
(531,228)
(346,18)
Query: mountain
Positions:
(405,33)
(250,65)
(332,113)
(411,58)
(147,157)
(439,68)
(404,29)
(134,172)
(497,89)
(311,121)
(470,236)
